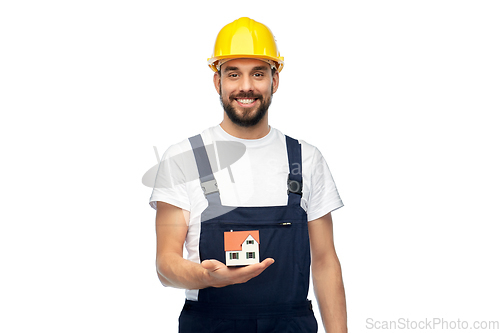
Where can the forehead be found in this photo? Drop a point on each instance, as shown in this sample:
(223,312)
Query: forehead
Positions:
(245,64)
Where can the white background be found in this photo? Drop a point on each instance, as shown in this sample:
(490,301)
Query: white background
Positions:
(401,97)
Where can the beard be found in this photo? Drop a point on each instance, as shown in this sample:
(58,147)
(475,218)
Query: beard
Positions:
(246,119)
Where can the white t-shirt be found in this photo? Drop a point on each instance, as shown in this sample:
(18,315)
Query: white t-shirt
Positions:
(256,178)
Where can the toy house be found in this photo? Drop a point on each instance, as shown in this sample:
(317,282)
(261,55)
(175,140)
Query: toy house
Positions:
(242,247)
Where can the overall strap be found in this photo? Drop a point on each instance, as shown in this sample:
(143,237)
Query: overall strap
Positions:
(207,179)
(293,149)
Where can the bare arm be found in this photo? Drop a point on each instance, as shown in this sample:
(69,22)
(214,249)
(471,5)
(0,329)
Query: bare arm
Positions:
(327,276)
(175,271)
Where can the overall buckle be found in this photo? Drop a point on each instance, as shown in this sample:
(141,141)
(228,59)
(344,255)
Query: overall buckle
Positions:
(209,186)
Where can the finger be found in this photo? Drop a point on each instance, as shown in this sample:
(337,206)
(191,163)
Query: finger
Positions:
(212,265)
(267,262)
(262,265)
(253,270)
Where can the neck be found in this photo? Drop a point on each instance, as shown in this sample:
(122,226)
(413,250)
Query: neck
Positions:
(249,133)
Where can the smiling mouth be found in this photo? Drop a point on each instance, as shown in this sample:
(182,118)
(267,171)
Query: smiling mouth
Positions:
(246,100)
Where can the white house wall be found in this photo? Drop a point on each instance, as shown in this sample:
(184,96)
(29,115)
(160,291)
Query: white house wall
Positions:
(243,254)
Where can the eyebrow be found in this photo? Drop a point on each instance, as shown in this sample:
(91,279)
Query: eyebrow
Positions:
(229,68)
(257,68)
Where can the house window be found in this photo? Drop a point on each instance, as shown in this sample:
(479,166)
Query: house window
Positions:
(250,241)
(250,255)
(233,256)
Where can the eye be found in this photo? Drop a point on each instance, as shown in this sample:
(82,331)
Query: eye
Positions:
(233,75)
(258,74)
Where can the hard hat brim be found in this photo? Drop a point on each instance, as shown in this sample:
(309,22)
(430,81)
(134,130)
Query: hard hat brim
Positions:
(212,62)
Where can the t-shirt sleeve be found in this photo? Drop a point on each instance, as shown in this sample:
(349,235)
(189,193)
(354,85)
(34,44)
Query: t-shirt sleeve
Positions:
(170,182)
(323,196)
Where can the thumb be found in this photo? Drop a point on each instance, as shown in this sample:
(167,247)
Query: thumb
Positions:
(211,264)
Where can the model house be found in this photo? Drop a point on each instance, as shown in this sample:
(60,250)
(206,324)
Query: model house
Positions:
(242,247)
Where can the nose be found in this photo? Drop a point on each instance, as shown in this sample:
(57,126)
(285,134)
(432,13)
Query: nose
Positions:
(246,83)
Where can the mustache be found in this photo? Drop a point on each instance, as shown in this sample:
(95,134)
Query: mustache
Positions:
(249,94)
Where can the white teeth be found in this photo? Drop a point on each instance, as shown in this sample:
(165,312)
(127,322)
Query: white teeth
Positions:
(246,101)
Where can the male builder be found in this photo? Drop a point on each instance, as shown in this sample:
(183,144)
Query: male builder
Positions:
(271,206)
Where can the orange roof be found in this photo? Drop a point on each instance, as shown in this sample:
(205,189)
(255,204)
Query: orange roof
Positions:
(234,239)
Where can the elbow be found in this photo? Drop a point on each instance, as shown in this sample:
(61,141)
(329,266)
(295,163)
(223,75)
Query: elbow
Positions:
(327,262)
(163,280)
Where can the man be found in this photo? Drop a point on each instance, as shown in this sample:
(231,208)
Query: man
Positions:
(277,198)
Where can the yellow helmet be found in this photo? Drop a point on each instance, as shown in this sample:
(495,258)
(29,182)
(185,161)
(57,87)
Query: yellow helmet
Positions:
(245,38)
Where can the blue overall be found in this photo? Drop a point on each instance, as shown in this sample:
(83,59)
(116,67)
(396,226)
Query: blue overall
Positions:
(274,301)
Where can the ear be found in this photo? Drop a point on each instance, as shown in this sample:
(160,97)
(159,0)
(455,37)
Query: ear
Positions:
(217,82)
(276,81)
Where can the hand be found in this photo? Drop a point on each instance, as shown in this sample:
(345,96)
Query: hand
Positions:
(219,275)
